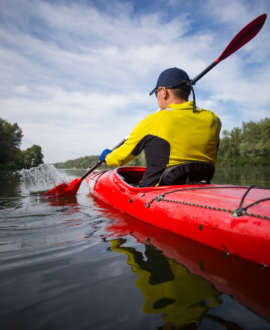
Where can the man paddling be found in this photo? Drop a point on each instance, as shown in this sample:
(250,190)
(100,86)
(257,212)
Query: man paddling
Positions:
(178,134)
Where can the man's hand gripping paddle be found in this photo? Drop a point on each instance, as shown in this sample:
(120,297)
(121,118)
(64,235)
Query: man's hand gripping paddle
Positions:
(243,37)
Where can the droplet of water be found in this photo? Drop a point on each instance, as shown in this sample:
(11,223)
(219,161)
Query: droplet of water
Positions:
(41,178)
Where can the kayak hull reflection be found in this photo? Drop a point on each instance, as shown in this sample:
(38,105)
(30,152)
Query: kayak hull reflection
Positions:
(246,282)
(203,213)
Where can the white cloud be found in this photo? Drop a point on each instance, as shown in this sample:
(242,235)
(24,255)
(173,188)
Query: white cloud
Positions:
(22,89)
(76,79)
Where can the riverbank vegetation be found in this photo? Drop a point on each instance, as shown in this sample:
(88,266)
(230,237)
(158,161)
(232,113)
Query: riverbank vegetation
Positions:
(88,161)
(11,156)
(246,146)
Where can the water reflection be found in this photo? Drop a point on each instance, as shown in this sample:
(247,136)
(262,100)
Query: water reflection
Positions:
(183,280)
(11,191)
(251,176)
(168,288)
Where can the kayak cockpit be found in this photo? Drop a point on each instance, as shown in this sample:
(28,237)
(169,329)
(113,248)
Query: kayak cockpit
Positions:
(189,173)
(131,175)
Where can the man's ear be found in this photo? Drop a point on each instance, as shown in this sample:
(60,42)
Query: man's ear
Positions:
(167,94)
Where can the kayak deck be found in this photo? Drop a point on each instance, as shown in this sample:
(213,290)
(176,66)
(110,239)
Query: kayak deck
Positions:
(214,215)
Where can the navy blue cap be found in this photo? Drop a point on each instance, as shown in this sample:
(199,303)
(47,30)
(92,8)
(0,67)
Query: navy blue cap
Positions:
(172,77)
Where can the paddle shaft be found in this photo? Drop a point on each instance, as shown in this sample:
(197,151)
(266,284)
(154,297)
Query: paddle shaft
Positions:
(204,72)
(99,162)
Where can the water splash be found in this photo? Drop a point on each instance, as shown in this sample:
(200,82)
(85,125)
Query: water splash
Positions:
(41,178)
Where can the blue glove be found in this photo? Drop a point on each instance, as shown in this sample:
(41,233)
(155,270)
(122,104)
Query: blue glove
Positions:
(104,154)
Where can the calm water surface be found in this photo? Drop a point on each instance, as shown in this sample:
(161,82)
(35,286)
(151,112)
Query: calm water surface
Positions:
(77,263)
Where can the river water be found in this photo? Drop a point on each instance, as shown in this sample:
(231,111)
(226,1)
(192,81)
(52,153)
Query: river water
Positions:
(77,263)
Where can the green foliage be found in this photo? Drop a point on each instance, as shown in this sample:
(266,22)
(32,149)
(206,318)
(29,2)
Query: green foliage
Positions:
(32,156)
(83,162)
(10,141)
(11,157)
(138,161)
(249,146)
(88,161)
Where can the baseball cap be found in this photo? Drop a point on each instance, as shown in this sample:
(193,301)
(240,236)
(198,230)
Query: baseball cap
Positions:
(171,78)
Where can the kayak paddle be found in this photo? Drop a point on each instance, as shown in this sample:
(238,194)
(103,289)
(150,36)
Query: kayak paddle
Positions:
(71,188)
(242,37)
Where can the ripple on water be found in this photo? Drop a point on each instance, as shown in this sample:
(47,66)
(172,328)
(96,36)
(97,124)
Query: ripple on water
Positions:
(35,226)
(33,229)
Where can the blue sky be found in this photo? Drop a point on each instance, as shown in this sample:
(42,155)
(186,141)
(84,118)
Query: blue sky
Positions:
(75,75)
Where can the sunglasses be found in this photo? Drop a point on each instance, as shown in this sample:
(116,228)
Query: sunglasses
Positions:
(158,90)
(172,87)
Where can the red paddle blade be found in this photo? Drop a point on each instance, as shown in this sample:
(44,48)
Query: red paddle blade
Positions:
(243,37)
(64,189)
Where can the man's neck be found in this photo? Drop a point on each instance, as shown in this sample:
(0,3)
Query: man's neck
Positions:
(176,101)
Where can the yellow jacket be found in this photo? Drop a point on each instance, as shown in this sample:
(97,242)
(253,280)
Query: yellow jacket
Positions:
(170,137)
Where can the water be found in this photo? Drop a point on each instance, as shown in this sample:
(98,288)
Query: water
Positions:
(41,178)
(77,263)
(245,176)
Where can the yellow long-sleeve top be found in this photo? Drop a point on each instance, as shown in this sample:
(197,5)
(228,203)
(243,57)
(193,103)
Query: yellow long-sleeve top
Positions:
(170,137)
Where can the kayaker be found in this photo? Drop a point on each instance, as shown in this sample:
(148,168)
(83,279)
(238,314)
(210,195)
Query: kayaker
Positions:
(179,133)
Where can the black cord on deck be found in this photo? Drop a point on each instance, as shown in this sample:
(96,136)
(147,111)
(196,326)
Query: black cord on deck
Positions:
(236,213)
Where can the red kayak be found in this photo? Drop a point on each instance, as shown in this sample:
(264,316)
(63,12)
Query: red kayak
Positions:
(233,219)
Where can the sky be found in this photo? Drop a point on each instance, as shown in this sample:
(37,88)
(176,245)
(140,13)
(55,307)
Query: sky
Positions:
(76,75)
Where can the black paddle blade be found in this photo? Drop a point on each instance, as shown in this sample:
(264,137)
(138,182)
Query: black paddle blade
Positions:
(243,37)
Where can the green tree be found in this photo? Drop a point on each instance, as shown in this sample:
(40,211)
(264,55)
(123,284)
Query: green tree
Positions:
(87,161)
(224,144)
(32,156)
(266,129)
(235,139)
(10,141)
(249,146)
(253,147)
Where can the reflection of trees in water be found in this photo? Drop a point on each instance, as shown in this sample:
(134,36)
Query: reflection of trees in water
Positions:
(10,187)
(257,176)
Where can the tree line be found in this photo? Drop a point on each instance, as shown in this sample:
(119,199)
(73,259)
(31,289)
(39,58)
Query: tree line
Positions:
(88,161)
(11,156)
(246,146)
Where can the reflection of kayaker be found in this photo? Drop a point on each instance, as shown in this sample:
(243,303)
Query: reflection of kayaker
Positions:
(245,282)
(168,287)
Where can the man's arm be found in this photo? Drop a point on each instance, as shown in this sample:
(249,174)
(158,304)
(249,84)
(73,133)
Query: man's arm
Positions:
(123,154)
